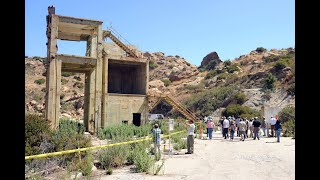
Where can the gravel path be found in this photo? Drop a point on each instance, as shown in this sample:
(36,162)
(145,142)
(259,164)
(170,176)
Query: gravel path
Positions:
(217,159)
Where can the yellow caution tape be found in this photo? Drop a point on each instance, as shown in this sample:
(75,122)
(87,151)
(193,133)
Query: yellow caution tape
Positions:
(92,148)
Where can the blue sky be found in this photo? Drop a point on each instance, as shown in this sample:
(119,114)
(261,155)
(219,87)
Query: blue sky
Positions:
(188,28)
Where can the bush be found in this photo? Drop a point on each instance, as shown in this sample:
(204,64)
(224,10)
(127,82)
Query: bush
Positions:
(166,82)
(287,114)
(67,74)
(239,98)
(64,81)
(43,89)
(269,82)
(85,165)
(289,128)
(37,132)
(152,65)
(271,58)
(109,171)
(237,110)
(208,101)
(261,50)
(114,156)
(232,68)
(123,131)
(142,161)
(222,76)
(279,65)
(211,74)
(291,90)
(227,63)
(40,81)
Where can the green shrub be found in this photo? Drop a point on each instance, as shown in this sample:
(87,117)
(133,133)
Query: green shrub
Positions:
(269,82)
(289,128)
(142,161)
(271,58)
(211,74)
(64,81)
(208,101)
(188,64)
(67,74)
(166,82)
(85,165)
(123,131)
(114,156)
(239,98)
(227,63)
(222,76)
(40,81)
(238,110)
(152,65)
(37,131)
(261,49)
(170,66)
(291,90)
(232,68)
(279,65)
(287,114)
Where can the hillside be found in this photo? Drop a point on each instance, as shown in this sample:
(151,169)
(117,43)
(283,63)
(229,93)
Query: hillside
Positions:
(175,76)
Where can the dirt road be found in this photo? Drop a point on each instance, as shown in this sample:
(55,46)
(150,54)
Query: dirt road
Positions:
(217,159)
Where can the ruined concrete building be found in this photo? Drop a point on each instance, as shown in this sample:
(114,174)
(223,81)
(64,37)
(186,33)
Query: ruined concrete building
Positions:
(115,85)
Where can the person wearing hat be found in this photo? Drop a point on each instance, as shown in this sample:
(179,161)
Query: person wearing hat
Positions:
(156,138)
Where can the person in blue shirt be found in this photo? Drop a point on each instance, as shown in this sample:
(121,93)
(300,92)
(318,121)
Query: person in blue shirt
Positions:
(278,128)
(156,138)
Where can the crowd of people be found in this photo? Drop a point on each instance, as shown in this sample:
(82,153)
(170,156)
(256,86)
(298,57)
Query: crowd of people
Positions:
(244,127)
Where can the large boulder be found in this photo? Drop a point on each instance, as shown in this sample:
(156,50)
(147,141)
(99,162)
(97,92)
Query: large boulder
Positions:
(210,61)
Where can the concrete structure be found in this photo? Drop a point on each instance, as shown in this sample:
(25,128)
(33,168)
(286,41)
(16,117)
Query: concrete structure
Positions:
(115,85)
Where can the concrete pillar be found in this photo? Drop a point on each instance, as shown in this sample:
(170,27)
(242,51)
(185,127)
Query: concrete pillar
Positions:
(104,91)
(51,104)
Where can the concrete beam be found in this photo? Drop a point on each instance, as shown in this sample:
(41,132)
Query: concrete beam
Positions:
(73,20)
(79,60)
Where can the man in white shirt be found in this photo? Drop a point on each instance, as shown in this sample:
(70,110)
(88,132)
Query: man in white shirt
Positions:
(225,125)
(272,123)
(190,138)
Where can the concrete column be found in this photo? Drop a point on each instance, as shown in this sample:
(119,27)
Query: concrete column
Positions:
(104,91)
(51,85)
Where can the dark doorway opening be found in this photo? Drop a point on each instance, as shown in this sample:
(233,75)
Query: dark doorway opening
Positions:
(137,119)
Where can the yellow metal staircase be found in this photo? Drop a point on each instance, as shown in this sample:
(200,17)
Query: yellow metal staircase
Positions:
(109,34)
(183,110)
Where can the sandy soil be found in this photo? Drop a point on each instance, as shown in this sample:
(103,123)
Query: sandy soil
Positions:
(224,159)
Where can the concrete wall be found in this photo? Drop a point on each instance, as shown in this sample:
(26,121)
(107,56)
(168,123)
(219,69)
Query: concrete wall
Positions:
(121,106)
(126,78)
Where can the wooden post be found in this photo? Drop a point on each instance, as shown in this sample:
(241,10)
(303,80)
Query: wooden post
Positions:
(104,91)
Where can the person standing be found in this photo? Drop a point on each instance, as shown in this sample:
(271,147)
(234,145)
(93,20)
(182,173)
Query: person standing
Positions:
(242,129)
(221,125)
(210,126)
(190,138)
(156,138)
(232,129)
(205,119)
(278,129)
(225,125)
(250,127)
(247,127)
(237,123)
(272,123)
(256,128)
(263,126)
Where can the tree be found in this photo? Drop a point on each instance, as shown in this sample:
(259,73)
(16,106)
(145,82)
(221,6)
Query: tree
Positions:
(270,82)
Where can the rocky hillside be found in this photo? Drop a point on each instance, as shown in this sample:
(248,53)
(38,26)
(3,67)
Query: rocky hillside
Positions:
(175,76)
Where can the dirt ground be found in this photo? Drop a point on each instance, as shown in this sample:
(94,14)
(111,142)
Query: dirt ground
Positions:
(224,159)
